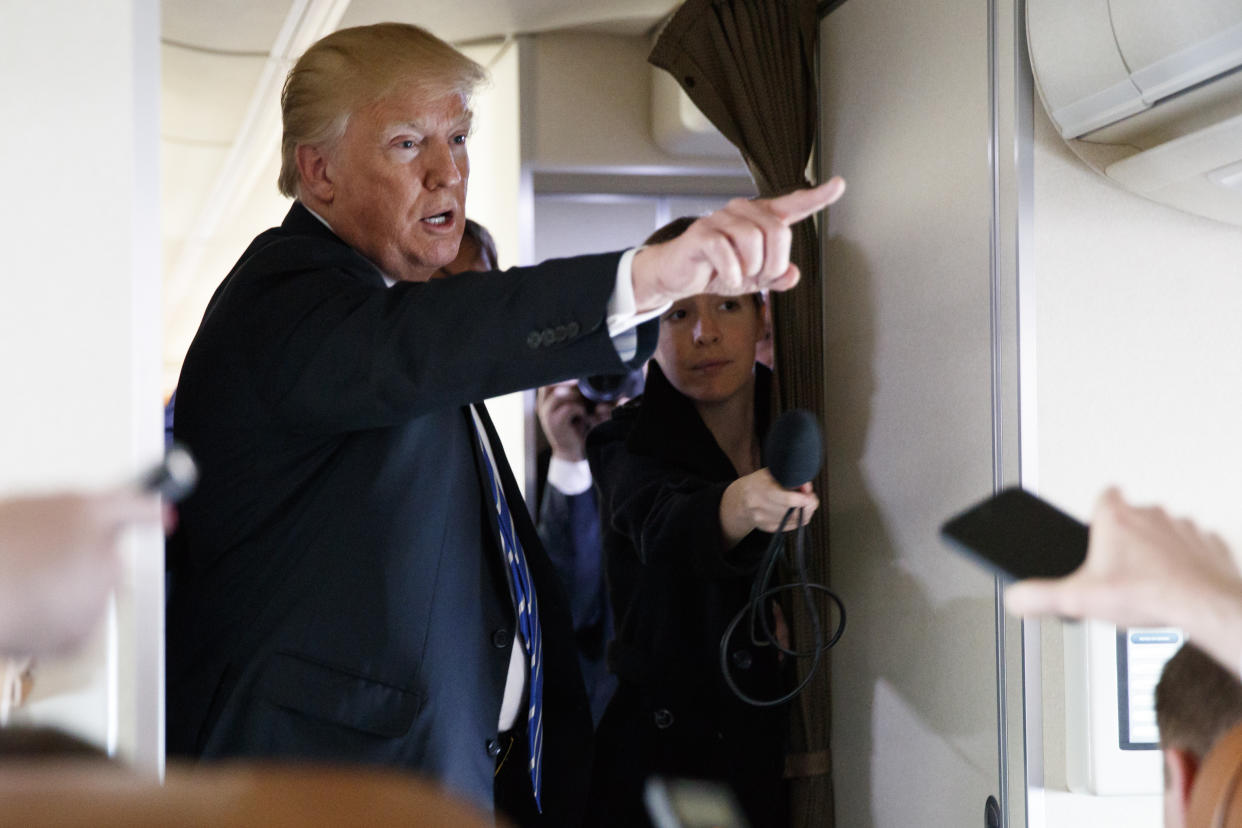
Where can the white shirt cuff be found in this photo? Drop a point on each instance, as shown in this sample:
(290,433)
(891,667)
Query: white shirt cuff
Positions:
(570,477)
(623,315)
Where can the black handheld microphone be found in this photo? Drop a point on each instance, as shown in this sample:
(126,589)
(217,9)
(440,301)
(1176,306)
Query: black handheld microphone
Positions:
(794,448)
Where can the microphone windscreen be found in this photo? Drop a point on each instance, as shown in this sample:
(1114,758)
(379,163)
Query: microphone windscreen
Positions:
(794,448)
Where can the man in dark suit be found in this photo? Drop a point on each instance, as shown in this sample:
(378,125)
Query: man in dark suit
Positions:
(569,528)
(349,583)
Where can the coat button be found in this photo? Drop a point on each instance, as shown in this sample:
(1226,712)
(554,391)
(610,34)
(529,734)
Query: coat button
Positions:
(493,748)
(742,659)
(571,330)
(663,718)
(548,336)
(533,339)
(562,333)
(501,638)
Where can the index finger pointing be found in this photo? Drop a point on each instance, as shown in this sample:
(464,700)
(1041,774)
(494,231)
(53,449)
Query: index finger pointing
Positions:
(792,208)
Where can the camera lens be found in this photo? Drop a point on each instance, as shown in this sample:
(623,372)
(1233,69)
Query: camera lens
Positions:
(611,387)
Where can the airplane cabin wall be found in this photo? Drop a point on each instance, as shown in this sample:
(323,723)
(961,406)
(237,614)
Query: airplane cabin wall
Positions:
(79,325)
(1128,368)
(590,108)
(913,323)
(1137,383)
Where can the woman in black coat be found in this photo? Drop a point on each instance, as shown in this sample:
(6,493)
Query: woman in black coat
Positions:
(686,508)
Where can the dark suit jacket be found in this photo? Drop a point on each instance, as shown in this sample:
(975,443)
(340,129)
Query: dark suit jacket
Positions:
(674,588)
(338,589)
(569,529)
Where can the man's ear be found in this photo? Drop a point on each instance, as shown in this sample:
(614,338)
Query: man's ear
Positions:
(315,177)
(1180,767)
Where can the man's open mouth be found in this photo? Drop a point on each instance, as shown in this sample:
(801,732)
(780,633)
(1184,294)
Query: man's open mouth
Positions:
(439,218)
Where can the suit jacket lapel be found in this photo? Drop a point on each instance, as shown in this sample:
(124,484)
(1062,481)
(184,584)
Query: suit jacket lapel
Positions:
(495,557)
(508,483)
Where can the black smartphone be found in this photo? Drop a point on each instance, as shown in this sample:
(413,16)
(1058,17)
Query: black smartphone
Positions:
(174,477)
(1020,535)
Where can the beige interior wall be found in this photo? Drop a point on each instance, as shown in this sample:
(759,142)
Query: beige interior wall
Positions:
(79,322)
(591,108)
(1138,383)
(910,422)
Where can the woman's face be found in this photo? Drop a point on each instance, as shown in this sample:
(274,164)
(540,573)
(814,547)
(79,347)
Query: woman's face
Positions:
(707,345)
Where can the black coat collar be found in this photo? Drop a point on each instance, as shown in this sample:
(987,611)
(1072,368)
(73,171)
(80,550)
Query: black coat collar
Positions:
(302,222)
(667,425)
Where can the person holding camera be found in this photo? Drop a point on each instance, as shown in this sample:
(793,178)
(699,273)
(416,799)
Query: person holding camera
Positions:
(568,525)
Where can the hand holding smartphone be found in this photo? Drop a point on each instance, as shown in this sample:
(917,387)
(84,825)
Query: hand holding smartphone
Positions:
(1019,535)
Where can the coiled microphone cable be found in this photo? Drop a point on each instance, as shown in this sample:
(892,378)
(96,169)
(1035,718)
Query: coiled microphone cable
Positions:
(794,448)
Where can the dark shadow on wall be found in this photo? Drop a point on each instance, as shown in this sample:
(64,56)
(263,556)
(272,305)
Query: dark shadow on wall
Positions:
(895,630)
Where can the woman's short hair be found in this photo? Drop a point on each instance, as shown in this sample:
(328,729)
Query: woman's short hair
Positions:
(352,68)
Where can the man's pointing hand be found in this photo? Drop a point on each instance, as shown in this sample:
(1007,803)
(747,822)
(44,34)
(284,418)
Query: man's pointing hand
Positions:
(741,248)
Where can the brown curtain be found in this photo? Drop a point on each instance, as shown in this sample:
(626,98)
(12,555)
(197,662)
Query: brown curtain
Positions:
(749,66)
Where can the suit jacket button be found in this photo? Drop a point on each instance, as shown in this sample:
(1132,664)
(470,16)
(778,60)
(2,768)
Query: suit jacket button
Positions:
(562,333)
(663,718)
(533,339)
(493,748)
(742,659)
(571,330)
(501,638)
(548,336)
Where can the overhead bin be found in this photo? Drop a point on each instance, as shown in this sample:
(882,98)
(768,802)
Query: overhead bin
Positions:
(1149,93)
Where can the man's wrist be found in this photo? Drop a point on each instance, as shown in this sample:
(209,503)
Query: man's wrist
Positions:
(648,293)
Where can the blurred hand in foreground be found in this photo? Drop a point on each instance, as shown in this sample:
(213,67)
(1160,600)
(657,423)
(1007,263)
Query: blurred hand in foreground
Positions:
(59,561)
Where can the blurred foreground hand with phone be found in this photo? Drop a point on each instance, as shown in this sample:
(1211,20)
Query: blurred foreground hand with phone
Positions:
(1145,568)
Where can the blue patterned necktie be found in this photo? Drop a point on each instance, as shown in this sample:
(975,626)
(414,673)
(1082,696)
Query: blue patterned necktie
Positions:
(523,589)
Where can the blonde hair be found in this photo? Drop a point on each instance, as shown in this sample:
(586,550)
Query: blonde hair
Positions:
(352,68)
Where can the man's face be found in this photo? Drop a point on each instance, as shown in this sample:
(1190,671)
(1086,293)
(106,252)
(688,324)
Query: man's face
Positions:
(398,179)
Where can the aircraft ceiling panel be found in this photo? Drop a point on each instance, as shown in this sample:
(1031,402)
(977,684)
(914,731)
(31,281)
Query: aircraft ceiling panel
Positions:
(476,19)
(224,25)
(205,94)
(1146,33)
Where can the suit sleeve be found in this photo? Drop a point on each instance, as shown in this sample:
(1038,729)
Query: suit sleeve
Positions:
(569,529)
(333,352)
(670,516)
